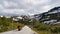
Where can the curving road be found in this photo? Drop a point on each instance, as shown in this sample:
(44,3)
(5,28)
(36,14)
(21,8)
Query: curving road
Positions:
(25,30)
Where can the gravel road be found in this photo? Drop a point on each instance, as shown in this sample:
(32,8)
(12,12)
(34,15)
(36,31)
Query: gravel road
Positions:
(25,30)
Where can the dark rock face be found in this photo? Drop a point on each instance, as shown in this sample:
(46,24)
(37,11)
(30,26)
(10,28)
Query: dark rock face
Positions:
(53,14)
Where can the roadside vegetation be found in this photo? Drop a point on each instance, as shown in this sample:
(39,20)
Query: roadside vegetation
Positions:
(6,24)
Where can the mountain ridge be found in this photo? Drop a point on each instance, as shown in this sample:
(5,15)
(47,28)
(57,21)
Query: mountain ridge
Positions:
(52,14)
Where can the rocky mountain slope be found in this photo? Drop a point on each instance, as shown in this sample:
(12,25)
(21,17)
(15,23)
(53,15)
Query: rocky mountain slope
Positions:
(52,15)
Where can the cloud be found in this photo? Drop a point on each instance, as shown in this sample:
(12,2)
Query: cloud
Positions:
(8,4)
(14,11)
(24,4)
(25,7)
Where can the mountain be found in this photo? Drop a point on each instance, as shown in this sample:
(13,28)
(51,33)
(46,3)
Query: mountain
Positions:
(52,16)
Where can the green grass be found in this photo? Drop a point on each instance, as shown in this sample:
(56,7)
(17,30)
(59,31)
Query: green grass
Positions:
(42,32)
(12,26)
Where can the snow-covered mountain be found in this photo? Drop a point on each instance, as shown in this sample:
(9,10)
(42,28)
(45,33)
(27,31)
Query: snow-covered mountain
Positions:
(52,15)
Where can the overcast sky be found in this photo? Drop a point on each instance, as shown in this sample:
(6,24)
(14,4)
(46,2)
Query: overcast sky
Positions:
(24,7)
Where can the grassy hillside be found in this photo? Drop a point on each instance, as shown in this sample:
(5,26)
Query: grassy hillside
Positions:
(46,29)
(6,24)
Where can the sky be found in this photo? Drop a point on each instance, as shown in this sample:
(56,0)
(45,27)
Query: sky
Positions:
(26,7)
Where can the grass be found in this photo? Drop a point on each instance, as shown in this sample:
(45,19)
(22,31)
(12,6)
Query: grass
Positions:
(39,31)
(12,26)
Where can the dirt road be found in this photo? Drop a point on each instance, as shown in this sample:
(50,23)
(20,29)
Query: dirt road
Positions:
(25,30)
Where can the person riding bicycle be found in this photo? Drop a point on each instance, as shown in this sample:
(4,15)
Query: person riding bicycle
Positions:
(19,28)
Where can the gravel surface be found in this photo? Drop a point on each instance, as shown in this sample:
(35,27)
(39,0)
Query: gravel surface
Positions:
(25,30)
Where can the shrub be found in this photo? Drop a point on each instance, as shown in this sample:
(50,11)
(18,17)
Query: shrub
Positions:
(55,29)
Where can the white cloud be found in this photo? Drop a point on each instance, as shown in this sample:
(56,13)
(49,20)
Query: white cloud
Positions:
(13,10)
(1,7)
(8,4)
(26,6)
